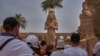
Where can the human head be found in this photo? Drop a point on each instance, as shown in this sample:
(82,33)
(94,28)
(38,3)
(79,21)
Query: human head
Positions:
(75,38)
(10,24)
(60,44)
(43,44)
(33,40)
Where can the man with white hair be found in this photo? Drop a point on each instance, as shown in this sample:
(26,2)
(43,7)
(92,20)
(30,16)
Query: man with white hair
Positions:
(60,47)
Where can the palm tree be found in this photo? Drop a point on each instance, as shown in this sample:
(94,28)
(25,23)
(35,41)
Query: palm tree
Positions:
(51,4)
(22,21)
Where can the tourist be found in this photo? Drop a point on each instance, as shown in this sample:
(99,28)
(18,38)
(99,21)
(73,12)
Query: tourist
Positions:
(43,48)
(67,43)
(9,44)
(66,46)
(60,48)
(75,49)
(33,43)
(96,50)
(49,49)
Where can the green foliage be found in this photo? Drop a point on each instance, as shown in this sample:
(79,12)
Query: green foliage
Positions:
(22,21)
(47,4)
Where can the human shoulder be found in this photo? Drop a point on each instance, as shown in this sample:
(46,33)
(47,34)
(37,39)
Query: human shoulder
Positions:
(53,53)
(97,44)
(23,48)
(20,43)
(68,49)
(14,43)
(58,52)
(84,50)
(16,47)
(97,47)
(73,49)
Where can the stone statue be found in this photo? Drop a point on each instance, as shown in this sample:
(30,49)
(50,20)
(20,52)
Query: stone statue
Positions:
(90,24)
(86,9)
(51,25)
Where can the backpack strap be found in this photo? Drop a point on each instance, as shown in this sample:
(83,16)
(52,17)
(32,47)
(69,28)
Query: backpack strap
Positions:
(5,43)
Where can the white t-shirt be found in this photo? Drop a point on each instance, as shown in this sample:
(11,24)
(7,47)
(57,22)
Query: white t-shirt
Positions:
(14,47)
(74,51)
(96,49)
(58,53)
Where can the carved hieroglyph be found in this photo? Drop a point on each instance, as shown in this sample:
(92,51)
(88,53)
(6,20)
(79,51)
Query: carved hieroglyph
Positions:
(51,25)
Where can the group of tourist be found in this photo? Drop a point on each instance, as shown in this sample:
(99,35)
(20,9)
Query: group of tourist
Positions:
(10,45)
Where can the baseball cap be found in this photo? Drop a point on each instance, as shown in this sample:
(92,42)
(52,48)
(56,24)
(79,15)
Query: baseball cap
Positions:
(33,40)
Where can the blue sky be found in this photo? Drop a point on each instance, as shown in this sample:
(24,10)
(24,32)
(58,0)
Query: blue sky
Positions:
(67,17)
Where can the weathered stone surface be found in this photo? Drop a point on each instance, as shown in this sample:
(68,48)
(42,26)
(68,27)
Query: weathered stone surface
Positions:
(90,24)
(51,25)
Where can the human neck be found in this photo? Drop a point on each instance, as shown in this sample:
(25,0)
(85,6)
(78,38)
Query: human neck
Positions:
(12,33)
(75,45)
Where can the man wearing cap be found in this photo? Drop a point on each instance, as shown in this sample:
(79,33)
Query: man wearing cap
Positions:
(33,43)
(75,50)
(9,44)
(60,48)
